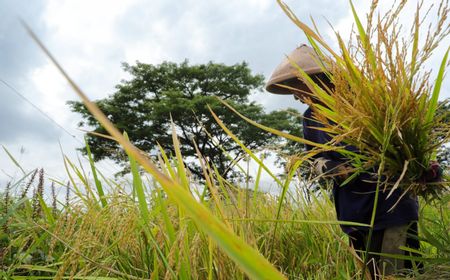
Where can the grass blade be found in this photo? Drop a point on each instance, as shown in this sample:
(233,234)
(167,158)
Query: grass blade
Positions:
(138,188)
(436,90)
(13,159)
(98,184)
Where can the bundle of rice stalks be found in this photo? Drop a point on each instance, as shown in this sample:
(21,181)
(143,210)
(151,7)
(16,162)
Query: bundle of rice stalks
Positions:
(383,101)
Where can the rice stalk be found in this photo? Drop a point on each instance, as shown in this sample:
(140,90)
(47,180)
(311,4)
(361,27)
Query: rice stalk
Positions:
(382,98)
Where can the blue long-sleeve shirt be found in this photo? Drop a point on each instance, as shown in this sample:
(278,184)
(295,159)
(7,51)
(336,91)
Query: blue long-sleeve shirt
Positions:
(354,201)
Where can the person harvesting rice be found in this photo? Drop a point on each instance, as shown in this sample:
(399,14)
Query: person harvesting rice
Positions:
(372,121)
(354,193)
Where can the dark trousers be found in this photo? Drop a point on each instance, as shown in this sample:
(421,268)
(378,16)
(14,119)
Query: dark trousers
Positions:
(359,240)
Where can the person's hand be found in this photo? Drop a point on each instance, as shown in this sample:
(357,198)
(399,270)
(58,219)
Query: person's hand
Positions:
(433,173)
(343,172)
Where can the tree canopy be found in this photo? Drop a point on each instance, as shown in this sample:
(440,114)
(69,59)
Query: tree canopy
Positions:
(144,105)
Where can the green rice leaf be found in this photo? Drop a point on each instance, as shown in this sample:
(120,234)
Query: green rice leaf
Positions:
(138,187)
(98,184)
(364,38)
(181,169)
(433,103)
(48,214)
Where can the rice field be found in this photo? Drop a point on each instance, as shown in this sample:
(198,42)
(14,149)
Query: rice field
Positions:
(162,224)
(120,236)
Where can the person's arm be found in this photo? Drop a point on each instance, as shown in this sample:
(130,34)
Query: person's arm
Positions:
(324,163)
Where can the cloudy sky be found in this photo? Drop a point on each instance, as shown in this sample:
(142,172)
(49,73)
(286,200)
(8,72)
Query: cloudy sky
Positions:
(92,38)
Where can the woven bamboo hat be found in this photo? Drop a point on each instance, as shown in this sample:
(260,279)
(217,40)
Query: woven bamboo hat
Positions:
(285,73)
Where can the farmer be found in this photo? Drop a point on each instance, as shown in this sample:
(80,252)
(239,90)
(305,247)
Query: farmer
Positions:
(353,201)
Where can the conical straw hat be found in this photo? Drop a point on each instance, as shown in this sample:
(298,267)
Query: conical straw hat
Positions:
(286,73)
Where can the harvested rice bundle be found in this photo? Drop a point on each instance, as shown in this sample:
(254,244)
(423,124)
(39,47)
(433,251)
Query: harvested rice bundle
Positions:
(383,101)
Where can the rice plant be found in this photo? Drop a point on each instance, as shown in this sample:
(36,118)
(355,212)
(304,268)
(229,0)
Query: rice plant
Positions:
(383,101)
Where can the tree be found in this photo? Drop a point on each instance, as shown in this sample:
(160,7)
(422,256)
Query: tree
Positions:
(144,105)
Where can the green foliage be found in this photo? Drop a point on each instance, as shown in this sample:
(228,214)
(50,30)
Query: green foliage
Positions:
(144,105)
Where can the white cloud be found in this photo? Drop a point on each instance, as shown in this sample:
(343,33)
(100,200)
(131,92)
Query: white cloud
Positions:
(145,53)
(51,92)
(83,22)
